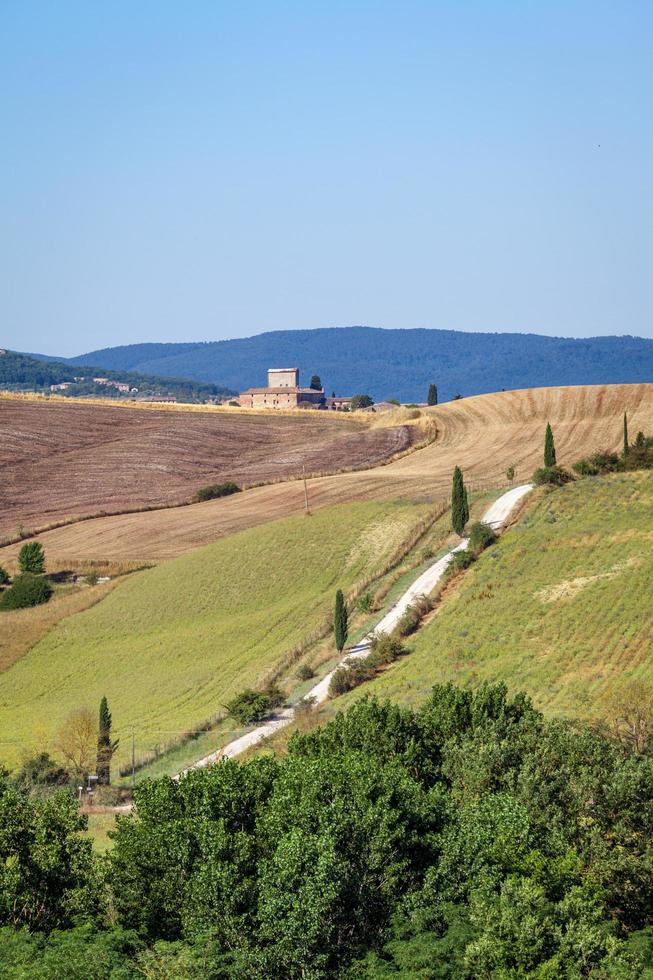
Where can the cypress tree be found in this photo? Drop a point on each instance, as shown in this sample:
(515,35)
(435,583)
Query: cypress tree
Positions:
(459,505)
(549,447)
(105,747)
(340,625)
(626,447)
(432,398)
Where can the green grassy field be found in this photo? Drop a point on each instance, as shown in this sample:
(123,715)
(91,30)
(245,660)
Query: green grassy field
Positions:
(171,644)
(561,607)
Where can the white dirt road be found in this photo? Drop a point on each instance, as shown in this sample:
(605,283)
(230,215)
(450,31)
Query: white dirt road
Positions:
(496,516)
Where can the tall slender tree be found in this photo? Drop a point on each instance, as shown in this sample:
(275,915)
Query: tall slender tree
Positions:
(105,747)
(432,397)
(340,623)
(459,504)
(549,447)
(626,446)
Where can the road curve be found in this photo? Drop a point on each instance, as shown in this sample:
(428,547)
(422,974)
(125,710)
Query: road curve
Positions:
(496,516)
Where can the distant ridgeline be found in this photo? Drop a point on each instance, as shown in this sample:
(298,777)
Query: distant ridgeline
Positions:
(21,372)
(394,363)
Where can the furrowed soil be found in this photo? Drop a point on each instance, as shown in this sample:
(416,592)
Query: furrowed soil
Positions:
(561,607)
(62,460)
(169,646)
(484,435)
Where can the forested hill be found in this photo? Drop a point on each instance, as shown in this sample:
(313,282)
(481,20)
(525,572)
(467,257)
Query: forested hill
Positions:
(394,363)
(23,372)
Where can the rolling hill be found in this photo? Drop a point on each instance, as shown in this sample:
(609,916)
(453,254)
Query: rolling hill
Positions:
(64,460)
(483,435)
(561,607)
(169,645)
(394,363)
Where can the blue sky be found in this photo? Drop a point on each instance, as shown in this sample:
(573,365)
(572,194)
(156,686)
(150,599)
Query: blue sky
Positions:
(200,170)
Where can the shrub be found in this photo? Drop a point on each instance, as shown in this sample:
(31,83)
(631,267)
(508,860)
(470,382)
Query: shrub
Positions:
(4,576)
(554,476)
(385,649)
(214,490)
(350,675)
(460,561)
(31,558)
(92,578)
(481,536)
(40,773)
(27,590)
(361,401)
(365,602)
(597,464)
(249,707)
(510,474)
(305,672)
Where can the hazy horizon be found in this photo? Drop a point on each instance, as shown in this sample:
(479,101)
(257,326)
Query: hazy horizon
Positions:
(214,171)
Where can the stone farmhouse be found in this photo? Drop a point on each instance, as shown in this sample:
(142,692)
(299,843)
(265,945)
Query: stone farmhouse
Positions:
(284,391)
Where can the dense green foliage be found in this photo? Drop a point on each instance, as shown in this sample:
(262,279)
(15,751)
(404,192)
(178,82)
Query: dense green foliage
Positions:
(316,384)
(459,503)
(106,746)
(555,476)
(26,590)
(250,707)
(365,359)
(340,622)
(31,558)
(549,448)
(361,401)
(432,397)
(637,456)
(19,372)
(4,576)
(215,490)
(470,838)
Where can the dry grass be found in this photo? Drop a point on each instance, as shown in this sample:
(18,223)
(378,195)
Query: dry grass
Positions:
(63,460)
(484,435)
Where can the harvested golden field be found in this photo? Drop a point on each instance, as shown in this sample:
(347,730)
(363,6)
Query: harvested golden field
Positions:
(65,459)
(484,435)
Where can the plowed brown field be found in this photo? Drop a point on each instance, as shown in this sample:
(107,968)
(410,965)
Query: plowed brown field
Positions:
(72,459)
(484,435)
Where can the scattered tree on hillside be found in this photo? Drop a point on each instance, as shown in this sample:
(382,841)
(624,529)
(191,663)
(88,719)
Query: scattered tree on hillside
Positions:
(625,435)
(316,384)
(640,441)
(361,401)
(26,590)
(549,447)
(31,558)
(459,502)
(4,576)
(105,747)
(510,474)
(340,624)
(432,398)
(76,741)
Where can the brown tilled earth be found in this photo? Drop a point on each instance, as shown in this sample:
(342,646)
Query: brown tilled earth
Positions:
(484,435)
(65,460)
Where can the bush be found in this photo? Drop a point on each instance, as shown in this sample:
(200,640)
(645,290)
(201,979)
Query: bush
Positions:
(249,707)
(305,672)
(215,490)
(554,476)
(31,558)
(385,649)
(361,401)
(481,536)
(597,464)
(4,576)
(40,773)
(365,602)
(460,561)
(350,675)
(27,590)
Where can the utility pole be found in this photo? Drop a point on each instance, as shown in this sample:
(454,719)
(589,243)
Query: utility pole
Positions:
(305,489)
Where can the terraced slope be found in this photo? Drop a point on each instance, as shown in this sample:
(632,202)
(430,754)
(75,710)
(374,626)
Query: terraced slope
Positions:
(561,607)
(170,645)
(484,435)
(66,459)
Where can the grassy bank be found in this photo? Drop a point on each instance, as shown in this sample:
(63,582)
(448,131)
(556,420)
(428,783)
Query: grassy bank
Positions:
(561,607)
(170,645)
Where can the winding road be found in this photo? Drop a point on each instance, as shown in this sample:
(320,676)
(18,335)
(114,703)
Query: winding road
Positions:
(496,516)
